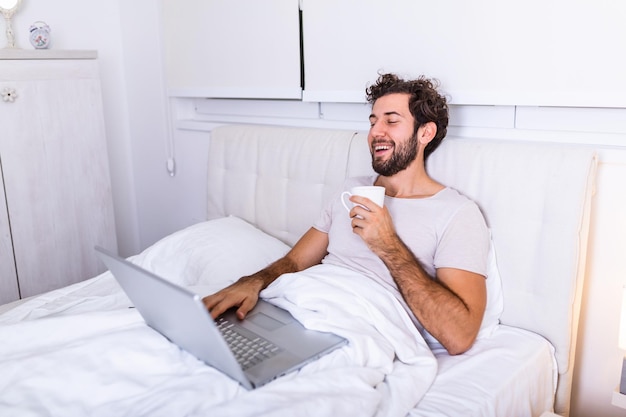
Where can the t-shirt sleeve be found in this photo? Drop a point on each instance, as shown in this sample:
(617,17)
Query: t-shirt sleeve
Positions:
(464,242)
(324,220)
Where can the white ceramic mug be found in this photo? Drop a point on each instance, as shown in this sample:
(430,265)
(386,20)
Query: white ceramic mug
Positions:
(373,192)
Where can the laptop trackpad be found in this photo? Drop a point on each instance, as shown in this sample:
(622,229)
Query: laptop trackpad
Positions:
(265,321)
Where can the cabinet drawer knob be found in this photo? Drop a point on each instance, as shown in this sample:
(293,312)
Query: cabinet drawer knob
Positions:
(9,95)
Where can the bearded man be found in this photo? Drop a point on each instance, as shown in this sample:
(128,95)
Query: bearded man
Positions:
(428,244)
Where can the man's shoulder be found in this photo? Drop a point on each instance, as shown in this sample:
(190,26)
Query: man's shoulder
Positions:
(452,201)
(452,195)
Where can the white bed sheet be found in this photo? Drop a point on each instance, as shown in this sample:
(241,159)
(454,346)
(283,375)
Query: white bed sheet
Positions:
(58,349)
(512,373)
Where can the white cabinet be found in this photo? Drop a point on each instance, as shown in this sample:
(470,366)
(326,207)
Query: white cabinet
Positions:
(56,200)
(483,52)
(233,49)
(8,278)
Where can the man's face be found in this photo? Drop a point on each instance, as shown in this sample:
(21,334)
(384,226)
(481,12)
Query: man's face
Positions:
(392,139)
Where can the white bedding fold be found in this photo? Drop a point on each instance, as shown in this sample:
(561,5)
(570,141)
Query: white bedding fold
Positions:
(96,357)
(381,334)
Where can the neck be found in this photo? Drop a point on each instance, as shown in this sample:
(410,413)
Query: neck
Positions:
(412,182)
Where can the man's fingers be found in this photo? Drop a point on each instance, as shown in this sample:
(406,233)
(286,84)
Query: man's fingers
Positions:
(210,301)
(245,307)
(235,295)
(216,304)
(217,310)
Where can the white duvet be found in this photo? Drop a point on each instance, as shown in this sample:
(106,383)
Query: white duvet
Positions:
(81,351)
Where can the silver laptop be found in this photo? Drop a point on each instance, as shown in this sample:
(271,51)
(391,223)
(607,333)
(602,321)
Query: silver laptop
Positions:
(269,343)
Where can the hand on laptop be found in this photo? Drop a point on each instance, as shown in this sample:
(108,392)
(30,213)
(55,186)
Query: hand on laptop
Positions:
(243,294)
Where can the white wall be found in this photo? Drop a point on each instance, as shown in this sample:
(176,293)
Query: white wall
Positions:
(149,203)
(599,362)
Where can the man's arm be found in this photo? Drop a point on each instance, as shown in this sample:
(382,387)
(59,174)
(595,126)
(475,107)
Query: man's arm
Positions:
(450,307)
(244,293)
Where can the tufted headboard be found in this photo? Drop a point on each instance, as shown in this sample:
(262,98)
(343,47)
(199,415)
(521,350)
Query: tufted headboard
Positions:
(279,178)
(536,198)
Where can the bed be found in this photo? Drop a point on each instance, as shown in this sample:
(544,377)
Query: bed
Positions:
(80,350)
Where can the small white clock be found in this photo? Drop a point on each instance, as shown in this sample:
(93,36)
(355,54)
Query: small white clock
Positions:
(40,35)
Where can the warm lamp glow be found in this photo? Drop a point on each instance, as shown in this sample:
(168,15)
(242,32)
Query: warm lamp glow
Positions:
(622,341)
(622,322)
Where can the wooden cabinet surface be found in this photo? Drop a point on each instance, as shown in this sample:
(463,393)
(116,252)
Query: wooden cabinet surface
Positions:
(55,173)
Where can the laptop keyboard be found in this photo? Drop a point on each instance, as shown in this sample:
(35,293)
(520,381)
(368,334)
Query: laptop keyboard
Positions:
(249,351)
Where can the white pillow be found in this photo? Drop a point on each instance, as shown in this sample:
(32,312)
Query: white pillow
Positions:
(495,303)
(215,253)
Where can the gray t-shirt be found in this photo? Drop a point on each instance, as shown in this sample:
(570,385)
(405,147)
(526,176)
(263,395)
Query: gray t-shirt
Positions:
(445,230)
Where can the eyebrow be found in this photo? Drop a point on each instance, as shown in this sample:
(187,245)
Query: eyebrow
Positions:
(389,113)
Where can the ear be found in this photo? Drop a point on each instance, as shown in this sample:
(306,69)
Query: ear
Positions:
(426,133)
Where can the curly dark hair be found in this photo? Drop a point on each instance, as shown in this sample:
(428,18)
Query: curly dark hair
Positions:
(426,104)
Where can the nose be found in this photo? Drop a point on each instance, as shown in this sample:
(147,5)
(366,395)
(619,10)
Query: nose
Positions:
(377,130)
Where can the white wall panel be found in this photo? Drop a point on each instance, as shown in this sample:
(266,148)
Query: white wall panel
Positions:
(258,108)
(483,116)
(572,119)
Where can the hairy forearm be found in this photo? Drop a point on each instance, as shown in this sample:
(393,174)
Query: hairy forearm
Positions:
(244,293)
(266,276)
(444,314)
(308,251)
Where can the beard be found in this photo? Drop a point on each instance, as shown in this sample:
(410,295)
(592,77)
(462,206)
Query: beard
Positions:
(400,159)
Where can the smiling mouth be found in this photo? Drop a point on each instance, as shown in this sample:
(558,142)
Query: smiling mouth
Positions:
(380,149)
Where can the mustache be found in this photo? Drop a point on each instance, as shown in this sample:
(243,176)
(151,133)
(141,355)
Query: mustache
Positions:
(382,142)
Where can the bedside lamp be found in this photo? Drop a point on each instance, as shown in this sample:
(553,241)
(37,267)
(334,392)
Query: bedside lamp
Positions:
(622,341)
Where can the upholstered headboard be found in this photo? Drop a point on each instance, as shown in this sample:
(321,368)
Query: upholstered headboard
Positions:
(535,197)
(279,178)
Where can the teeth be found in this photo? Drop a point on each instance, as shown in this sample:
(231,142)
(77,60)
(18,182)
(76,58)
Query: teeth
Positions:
(382,147)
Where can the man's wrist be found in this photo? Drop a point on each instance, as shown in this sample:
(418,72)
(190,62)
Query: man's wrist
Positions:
(256,281)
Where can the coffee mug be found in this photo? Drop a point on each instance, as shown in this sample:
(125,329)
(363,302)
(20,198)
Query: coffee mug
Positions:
(373,192)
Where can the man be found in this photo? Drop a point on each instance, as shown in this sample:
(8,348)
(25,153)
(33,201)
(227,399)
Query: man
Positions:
(428,244)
